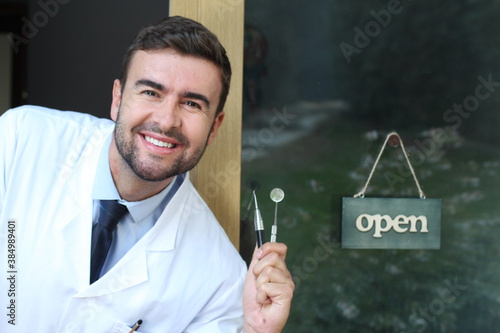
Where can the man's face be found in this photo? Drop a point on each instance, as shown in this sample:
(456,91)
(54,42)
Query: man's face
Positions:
(165,116)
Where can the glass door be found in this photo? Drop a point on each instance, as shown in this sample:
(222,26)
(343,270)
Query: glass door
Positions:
(324,83)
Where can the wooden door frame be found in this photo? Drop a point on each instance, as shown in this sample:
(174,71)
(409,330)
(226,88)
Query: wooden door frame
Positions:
(218,175)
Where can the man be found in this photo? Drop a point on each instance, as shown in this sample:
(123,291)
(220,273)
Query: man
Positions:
(169,265)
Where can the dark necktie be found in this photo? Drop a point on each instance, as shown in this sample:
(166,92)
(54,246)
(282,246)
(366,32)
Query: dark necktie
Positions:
(110,213)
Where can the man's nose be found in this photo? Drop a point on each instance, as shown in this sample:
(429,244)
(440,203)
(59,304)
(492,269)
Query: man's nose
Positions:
(168,115)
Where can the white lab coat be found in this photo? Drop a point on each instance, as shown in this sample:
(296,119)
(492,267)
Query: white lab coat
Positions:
(182,276)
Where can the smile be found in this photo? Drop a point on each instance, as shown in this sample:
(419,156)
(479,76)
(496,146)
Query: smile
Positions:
(159,143)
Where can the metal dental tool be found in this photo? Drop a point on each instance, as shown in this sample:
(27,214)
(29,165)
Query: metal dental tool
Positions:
(277,195)
(254,185)
(259,223)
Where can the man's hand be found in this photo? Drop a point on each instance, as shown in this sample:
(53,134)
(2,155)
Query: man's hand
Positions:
(268,291)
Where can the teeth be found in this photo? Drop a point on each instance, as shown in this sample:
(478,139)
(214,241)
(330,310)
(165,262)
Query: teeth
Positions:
(158,143)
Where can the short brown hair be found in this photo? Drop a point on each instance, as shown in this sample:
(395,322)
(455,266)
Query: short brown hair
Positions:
(187,37)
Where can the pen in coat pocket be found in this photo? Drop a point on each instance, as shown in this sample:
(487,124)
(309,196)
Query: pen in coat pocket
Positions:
(136,326)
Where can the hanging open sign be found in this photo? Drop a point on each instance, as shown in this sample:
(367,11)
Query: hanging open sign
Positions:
(391,223)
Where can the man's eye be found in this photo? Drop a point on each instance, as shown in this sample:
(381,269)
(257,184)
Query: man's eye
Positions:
(192,104)
(150,93)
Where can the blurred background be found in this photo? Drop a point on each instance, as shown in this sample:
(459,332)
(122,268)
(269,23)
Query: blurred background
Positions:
(54,43)
(325,82)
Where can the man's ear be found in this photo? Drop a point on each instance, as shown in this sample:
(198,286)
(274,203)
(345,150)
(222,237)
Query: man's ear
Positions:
(117,98)
(215,127)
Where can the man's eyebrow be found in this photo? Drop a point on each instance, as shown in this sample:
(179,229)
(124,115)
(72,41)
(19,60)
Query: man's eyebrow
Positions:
(149,83)
(189,94)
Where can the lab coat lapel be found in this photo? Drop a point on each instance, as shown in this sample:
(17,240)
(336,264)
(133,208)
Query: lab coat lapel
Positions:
(128,272)
(75,178)
(164,233)
(132,269)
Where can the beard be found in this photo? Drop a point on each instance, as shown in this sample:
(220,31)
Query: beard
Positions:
(153,168)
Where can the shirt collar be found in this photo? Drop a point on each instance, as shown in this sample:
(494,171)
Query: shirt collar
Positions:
(105,189)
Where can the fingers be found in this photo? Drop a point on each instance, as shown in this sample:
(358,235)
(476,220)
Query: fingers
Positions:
(268,247)
(270,254)
(268,291)
(272,274)
(273,280)
(277,293)
(274,292)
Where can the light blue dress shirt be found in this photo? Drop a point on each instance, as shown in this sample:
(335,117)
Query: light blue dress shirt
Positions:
(143,214)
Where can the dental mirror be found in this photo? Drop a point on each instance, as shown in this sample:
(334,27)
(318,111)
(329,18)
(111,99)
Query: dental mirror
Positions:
(277,195)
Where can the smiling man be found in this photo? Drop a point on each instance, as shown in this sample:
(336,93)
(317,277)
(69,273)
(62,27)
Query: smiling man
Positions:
(101,225)
(166,114)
